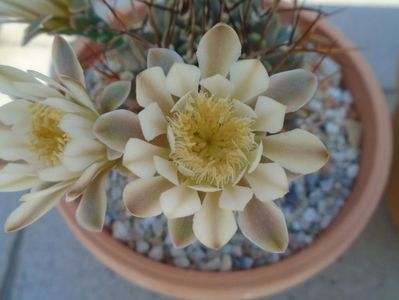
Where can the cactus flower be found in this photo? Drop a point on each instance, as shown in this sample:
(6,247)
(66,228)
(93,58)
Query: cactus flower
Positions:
(46,138)
(213,146)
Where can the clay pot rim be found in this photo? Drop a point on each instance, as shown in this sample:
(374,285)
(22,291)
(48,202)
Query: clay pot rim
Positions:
(332,242)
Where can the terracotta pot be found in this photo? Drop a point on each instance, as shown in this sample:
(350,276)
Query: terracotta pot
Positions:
(332,242)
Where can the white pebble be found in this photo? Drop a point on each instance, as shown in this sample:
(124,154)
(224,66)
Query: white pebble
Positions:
(156,253)
(310,214)
(352,171)
(142,246)
(212,265)
(120,231)
(181,262)
(226,263)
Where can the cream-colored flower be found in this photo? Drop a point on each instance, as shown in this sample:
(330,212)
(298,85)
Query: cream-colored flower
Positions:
(42,15)
(212,146)
(46,135)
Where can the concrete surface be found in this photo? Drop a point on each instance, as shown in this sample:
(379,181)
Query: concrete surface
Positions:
(46,262)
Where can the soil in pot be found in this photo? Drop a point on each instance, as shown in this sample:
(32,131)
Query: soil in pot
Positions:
(309,207)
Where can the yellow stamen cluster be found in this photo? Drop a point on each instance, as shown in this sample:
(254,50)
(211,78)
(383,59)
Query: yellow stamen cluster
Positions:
(47,140)
(212,140)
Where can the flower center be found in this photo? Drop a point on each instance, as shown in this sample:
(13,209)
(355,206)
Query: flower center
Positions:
(212,140)
(47,139)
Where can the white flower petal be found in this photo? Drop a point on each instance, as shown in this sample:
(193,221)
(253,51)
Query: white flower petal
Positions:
(151,87)
(76,126)
(250,79)
(90,213)
(141,196)
(166,169)
(235,197)
(36,89)
(181,103)
(181,231)
(201,187)
(171,138)
(80,153)
(270,115)
(212,225)
(14,111)
(78,93)
(67,106)
(34,206)
(243,110)
(113,154)
(13,147)
(297,150)
(254,157)
(180,201)
(66,61)
(115,128)
(152,121)
(217,50)
(268,181)
(113,95)
(56,173)
(218,86)
(139,157)
(264,225)
(182,78)
(292,88)
(17,177)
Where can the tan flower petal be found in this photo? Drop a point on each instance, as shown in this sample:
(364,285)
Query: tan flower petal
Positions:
(65,61)
(80,153)
(115,128)
(268,182)
(250,79)
(34,206)
(254,158)
(84,180)
(113,95)
(181,231)
(151,87)
(218,86)
(166,169)
(182,78)
(141,196)
(235,197)
(78,93)
(76,126)
(217,50)
(180,201)
(152,121)
(212,225)
(292,88)
(139,157)
(264,225)
(297,150)
(90,213)
(162,57)
(113,154)
(270,115)
(17,177)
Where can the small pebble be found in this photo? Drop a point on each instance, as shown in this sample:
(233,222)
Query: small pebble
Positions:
(156,253)
(120,231)
(310,215)
(181,262)
(142,246)
(226,263)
